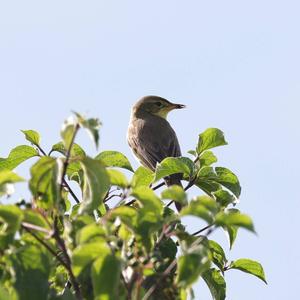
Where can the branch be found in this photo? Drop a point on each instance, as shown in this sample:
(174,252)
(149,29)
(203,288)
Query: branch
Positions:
(203,229)
(68,154)
(67,264)
(26,226)
(45,245)
(158,186)
(164,274)
(71,191)
(63,179)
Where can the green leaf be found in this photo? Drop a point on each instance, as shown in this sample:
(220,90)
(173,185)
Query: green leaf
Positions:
(76,150)
(206,180)
(218,254)
(32,268)
(8,294)
(33,217)
(96,183)
(32,136)
(216,284)
(84,255)
(210,138)
(91,125)
(17,156)
(114,159)
(174,165)
(233,217)
(175,193)
(168,249)
(224,198)
(207,158)
(229,180)
(44,182)
(148,199)
(127,215)
(106,271)
(232,233)
(198,209)
(74,172)
(7,178)
(249,266)
(142,177)
(12,216)
(117,178)
(68,131)
(191,266)
(90,233)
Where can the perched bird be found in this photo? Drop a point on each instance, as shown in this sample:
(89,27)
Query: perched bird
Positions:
(151,136)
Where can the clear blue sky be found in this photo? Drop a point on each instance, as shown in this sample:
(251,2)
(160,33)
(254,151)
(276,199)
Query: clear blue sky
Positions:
(236,64)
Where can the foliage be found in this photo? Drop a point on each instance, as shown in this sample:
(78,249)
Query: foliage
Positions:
(120,239)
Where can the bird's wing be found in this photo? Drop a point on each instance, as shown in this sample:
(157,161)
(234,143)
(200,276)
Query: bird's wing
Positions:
(153,144)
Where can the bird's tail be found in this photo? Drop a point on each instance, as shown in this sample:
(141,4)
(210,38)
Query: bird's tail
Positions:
(174,179)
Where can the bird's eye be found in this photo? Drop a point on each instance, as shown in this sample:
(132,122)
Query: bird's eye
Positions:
(159,104)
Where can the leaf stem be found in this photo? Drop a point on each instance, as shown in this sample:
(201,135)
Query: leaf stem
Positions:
(67,264)
(203,229)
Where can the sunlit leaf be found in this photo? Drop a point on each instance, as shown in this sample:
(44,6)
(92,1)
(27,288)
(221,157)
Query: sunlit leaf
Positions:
(249,266)
(32,268)
(198,209)
(17,156)
(7,178)
(32,136)
(174,165)
(68,131)
(231,234)
(210,138)
(175,193)
(216,284)
(76,150)
(92,126)
(12,216)
(128,216)
(191,266)
(207,158)
(45,181)
(114,159)
(117,178)
(148,199)
(106,272)
(90,233)
(234,218)
(96,183)
(84,255)
(229,180)
(218,254)
(142,177)
(224,198)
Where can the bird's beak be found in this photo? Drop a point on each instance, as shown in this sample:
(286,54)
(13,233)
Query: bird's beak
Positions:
(178,106)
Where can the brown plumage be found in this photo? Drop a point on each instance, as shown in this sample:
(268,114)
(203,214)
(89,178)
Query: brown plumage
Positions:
(150,135)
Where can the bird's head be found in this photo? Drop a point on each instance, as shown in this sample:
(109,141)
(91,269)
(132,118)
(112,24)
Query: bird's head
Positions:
(155,105)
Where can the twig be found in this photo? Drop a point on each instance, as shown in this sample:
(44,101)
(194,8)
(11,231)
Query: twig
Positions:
(71,191)
(45,245)
(26,225)
(203,229)
(68,154)
(112,196)
(130,202)
(67,264)
(164,274)
(158,186)
(63,180)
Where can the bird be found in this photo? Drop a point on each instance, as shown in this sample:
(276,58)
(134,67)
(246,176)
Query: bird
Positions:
(151,137)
